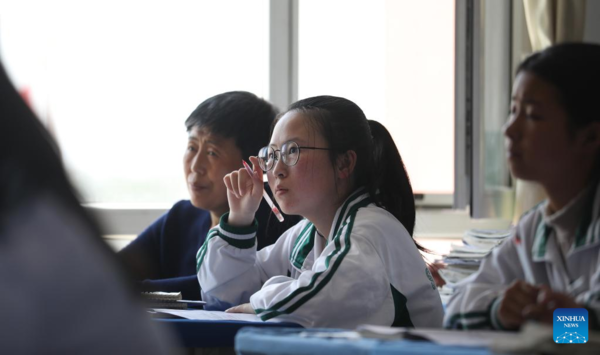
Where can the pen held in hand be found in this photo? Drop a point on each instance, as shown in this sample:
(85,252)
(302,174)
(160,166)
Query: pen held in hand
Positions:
(265,195)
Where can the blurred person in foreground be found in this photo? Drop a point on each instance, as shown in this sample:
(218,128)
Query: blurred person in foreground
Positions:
(62,291)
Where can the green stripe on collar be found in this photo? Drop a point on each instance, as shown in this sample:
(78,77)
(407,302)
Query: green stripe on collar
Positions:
(304,247)
(299,240)
(342,216)
(584,234)
(538,251)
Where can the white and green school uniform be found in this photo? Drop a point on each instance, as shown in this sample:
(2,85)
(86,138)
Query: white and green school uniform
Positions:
(367,271)
(560,250)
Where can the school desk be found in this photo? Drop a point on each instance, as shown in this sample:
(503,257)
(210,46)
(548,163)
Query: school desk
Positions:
(259,341)
(210,333)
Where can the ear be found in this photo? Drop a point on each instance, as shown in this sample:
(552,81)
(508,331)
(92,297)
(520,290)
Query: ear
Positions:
(591,137)
(345,164)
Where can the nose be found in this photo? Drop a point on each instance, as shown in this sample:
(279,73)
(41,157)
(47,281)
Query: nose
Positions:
(279,168)
(198,163)
(511,127)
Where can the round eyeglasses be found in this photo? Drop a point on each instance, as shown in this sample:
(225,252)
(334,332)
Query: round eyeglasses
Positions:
(289,154)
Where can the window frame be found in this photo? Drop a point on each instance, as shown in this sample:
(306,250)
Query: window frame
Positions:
(283,90)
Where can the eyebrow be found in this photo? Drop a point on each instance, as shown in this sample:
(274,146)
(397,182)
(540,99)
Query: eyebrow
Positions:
(526,101)
(297,140)
(213,142)
(209,141)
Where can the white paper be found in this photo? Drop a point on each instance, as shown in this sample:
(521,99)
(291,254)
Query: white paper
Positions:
(199,314)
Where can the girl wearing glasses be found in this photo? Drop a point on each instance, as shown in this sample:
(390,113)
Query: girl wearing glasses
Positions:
(352,260)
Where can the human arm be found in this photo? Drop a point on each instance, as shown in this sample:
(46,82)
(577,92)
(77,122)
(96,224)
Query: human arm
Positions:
(229,267)
(141,257)
(549,300)
(476,301)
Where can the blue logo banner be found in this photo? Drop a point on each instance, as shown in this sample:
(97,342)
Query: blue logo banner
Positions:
(570,325)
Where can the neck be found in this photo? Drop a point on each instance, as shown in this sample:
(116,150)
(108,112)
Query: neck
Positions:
(323,217)
(561,192)
(215,216)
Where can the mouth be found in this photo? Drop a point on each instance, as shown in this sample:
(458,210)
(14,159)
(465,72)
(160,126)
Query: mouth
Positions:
(280,191)
(197,187)
(513,154)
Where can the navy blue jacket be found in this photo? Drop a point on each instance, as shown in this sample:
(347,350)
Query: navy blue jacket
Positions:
(163,257)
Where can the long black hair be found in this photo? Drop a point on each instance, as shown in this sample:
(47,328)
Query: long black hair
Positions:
(379,167)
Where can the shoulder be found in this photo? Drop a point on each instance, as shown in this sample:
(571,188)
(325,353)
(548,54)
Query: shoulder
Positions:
(530,219)
(374,222)
(182,218)
(184,211)
(186,207)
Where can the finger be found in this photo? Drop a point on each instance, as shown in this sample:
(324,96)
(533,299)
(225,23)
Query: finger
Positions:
(522,293)
(234,176)
(258,177)
(528,290)
(546,294)
(531,311)
(513,313)
(256,167)
(235,309)
(244,181)
(518,299)
(227,181)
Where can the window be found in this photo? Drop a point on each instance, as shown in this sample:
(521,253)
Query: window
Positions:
(115,81)
(395,59)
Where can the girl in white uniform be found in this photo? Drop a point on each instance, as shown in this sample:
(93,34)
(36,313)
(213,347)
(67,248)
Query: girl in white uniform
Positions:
(553,259)
(352,260)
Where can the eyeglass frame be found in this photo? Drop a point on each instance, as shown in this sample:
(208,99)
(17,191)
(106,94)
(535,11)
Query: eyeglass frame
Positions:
(277,157)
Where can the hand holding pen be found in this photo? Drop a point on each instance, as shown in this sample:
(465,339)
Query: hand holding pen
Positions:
(245,189)
(274,208)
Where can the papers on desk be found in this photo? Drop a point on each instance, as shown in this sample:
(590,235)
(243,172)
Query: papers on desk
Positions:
(480,338)
(464,260)
(198,314)
(538,339)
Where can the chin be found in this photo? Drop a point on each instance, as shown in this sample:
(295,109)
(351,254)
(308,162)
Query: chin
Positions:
(199,203)
(523,175)
(285,209)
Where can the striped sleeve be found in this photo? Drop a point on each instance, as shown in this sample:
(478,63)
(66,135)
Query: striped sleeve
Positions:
(229,267)
(474,304)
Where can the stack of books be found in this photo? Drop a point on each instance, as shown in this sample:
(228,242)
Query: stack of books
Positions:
(171,300)
(464,260)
